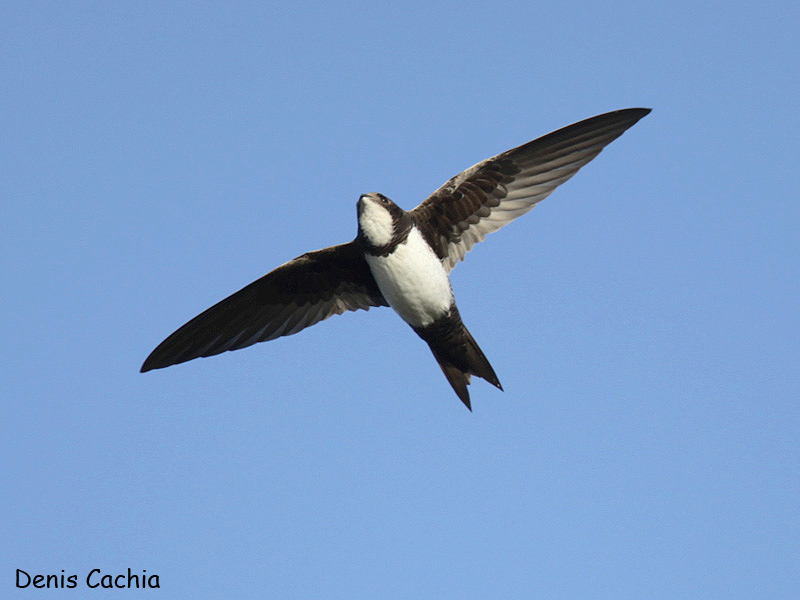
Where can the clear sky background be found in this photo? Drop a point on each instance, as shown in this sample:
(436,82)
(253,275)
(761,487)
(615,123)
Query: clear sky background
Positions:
(643,320)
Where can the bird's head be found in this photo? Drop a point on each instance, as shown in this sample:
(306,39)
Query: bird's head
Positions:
(378,219)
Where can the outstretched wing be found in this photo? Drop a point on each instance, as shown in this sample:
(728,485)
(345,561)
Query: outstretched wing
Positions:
(496,191)
(304,291)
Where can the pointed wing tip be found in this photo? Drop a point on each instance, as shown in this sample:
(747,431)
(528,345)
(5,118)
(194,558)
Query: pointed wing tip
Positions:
(148,365)
(155,362)
(624,115)
(639,113)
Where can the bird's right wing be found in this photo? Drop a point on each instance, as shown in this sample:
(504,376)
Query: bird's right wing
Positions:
(296,295)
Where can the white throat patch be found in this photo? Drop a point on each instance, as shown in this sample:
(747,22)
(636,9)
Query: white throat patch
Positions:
(376,222)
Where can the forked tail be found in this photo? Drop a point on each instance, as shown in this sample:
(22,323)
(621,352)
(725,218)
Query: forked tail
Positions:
(457,353)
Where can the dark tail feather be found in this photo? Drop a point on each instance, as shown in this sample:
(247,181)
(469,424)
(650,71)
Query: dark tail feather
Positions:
(458,354)
(458,380)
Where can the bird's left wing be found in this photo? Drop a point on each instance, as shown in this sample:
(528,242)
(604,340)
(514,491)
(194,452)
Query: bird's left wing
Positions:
(496,191)
(299,293)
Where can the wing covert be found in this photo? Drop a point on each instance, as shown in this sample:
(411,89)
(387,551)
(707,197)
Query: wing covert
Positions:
(494,192)
(295,295)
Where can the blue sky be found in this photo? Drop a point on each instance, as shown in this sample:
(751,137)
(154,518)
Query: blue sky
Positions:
(643,319)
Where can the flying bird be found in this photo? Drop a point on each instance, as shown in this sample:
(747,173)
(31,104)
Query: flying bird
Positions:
(402,259)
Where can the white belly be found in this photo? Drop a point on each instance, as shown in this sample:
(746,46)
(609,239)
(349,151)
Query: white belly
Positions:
(413,281)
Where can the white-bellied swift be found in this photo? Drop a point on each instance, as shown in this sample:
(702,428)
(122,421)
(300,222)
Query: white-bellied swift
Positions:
(402,258)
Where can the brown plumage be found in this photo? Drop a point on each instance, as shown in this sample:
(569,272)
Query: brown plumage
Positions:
(469,206)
